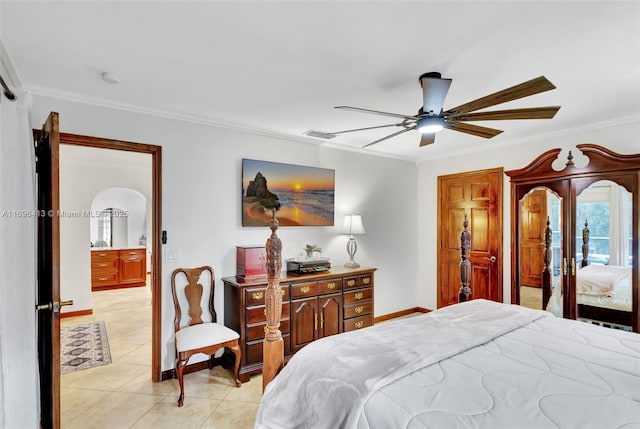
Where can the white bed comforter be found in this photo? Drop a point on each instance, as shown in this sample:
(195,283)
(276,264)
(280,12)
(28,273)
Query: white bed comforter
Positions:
(328,383)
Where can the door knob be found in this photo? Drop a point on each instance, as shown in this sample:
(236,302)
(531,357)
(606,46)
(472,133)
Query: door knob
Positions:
(55,306)
(492,259)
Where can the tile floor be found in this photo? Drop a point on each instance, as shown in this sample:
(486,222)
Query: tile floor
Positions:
(122,395)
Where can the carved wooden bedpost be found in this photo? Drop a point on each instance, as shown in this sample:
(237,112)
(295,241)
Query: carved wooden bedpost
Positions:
(273,346)
(465,265)
(546,271)
(585,245)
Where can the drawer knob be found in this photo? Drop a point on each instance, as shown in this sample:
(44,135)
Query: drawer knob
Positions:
(358,295)
(103,278)
(351,282)
(104,265)
(331,285)
(257,295)
(359,309)
(359,324)
(305,289)
(366,280)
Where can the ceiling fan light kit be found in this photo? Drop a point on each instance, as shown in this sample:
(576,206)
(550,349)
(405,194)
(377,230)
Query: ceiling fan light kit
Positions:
(431,117)
(430,124)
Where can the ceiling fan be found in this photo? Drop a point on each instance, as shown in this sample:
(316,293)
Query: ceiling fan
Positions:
(431,117)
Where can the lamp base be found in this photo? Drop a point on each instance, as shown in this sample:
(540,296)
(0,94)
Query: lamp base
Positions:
(352,265)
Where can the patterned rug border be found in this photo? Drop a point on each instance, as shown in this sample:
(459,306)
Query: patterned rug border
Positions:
(84,346)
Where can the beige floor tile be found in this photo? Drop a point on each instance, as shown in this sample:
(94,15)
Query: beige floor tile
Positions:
(209,384)
(143,384)
(248,392)
(167,414)
(140,355)
(232,415)
(115,410)
(107,377)
(122,395)
(75,401)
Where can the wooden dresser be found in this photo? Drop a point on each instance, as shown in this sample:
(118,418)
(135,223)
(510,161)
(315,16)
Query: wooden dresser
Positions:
(118,268)
(313,306)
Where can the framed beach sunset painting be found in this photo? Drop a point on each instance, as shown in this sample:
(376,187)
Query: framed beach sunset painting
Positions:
(304,196)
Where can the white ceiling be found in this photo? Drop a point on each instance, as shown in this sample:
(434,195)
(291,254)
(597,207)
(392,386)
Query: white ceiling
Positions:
(279,68)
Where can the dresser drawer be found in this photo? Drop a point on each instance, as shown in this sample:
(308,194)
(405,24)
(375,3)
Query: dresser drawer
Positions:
(358,323)
(299,290)
(358,281)
(256,331)
(357,295)
(104,265)
(255,296)
(329,286)
(133,254)
(105,278)
(103,255)
(359,309)
(258,314)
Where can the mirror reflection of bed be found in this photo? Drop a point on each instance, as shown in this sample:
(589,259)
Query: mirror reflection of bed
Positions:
(603,282)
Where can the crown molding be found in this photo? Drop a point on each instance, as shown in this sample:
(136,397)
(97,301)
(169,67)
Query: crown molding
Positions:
(8,69)
(537,137)
(201,120)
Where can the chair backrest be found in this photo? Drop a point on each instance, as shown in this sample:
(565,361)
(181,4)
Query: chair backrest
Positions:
(190,295)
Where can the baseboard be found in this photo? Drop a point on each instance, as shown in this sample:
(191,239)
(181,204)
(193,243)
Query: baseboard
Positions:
(77,313)
(198,366)
(400,314)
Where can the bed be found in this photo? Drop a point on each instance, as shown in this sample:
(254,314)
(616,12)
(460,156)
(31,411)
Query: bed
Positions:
(474,364)
(603,292)
(478,364)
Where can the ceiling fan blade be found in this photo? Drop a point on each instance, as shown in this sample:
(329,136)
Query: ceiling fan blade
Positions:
(475,130)
(427,139)
(368,128)
(376,112)
(525,89)
(391,135)
(434,91)
(529,113)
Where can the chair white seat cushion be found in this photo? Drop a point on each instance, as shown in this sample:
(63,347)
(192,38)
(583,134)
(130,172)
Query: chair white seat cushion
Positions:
(203,335)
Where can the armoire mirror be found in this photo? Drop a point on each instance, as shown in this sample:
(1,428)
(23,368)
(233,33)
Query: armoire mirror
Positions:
(575,237)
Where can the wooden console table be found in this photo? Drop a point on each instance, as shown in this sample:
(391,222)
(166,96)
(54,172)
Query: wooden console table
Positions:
(313,306)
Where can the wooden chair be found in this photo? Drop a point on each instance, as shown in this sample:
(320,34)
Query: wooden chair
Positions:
(198,333)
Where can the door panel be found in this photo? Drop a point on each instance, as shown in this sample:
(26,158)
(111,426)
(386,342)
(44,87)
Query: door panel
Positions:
(47,143)
(304,320)
(478,195)
(330,314)
(533,220)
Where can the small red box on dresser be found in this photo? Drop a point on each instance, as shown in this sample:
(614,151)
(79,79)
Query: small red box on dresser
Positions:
(251,262)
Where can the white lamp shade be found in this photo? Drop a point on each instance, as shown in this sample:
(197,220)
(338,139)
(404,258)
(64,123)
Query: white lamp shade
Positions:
(353,225)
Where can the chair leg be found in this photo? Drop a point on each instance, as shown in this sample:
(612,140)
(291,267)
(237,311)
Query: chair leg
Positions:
(180,373)
(236,350)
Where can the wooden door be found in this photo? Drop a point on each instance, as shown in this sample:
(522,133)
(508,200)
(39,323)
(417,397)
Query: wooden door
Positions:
(47,143)
(304,322)
(478,196)
(533,217)
(330,314)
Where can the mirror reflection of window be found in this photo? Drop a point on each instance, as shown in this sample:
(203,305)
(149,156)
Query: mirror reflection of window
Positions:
(104,228)
(606,207)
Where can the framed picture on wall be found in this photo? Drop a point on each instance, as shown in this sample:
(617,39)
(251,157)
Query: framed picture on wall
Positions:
(303,195)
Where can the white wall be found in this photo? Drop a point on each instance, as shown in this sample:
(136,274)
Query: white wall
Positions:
(201,169)
(128,200)
(623,138)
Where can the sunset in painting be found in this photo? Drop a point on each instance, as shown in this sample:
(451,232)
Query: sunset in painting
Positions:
(305,194)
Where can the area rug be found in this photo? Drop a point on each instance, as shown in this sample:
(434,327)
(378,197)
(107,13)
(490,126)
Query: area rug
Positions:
(83,346)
